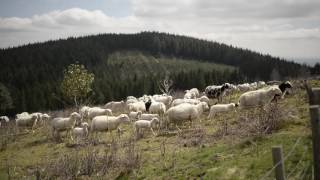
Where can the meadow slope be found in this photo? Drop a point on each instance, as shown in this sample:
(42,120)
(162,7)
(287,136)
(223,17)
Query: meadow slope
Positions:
(208,150)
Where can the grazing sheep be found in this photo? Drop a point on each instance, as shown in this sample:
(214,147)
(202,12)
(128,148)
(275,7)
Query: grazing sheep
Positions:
(284,87)
(166,100)
(244,87)
(137,106)
(191,94)
(134,116)
(261,84)
(64,124)
(116,106)
(217,91)
(258,97)
(157,108)
(131,99)
(80,132)
(146,124)
(108,123)
(185,111)
(97,111)
(26,119)
(204,99)
(220,108)
(181,101)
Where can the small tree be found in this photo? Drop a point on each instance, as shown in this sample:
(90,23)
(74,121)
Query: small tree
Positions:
(76,82)
(166,85)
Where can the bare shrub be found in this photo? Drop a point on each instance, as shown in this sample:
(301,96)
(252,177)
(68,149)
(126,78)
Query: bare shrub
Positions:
(254,122)
(192,137)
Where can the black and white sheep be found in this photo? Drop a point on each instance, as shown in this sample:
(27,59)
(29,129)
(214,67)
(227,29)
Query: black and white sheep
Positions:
(217,92)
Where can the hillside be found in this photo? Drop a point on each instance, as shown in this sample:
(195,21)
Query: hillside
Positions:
(32,73)
(207,150)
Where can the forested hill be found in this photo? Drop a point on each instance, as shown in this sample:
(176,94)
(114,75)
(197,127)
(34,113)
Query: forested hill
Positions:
(33,73)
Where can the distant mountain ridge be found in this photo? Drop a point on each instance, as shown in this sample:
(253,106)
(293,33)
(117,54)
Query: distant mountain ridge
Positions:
(33,73)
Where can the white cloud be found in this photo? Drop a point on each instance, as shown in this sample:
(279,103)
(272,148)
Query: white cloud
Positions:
(284,28)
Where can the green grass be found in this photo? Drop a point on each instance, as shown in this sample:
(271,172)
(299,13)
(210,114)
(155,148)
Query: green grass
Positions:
(229,157)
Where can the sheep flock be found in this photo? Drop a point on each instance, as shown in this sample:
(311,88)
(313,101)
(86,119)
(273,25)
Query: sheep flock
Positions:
(154,112)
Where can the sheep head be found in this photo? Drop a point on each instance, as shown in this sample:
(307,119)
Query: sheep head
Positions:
(205,106)
(154,121)
(275,91)
(124,118)
(75,116)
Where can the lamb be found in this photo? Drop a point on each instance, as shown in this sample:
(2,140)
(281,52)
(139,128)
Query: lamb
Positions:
(137,106)
(135,115)
(116,106)
(191,94)
(80,132)
(64,124)
(221,108)
(146,124)
(26,119)
(181,101)
(108,123)
(185,111)
(97,111)
(258,97)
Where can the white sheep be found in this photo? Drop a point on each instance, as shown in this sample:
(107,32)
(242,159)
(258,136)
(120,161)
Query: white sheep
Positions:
(258,97)
(116,106)
(26,119)
(157,108)
(64,124)
(185,111)
(244,87)
(146,124)
(164,99)
(108,123)
(80,132)
(97,111)
(191,94)
(137,106)
(204,99)
(181,101)
(220,108)
(131,99)
(135,115)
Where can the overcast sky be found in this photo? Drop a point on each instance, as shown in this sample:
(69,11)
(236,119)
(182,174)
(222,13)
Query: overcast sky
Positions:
(285,28)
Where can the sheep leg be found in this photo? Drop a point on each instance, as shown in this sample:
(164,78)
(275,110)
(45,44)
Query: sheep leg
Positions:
(152,131)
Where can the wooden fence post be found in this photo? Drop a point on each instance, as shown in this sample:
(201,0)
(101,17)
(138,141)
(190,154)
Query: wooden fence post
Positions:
(315,123)
(277,157)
